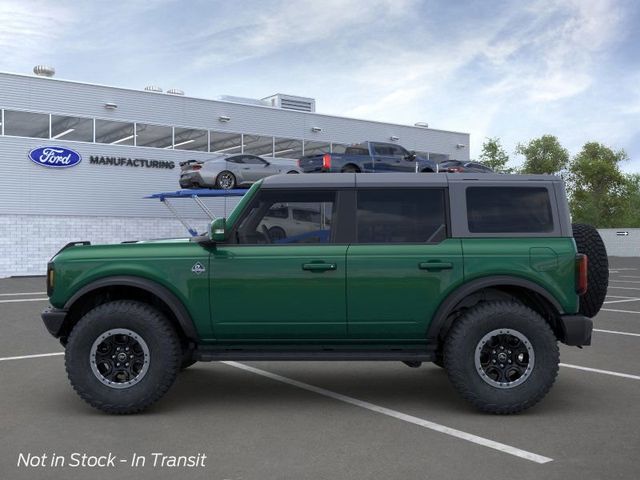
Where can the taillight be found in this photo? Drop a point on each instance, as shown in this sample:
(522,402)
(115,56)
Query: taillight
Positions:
(299,163)
(196,167)
(582,280)
(326,161)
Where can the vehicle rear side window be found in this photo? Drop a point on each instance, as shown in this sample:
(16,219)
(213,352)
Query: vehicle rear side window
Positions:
(401,216)
(509,210)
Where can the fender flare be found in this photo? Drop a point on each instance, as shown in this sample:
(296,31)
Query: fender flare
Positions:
(455,297)
(175,305)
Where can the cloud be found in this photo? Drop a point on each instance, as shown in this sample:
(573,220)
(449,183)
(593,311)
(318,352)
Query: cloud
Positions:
(30,29)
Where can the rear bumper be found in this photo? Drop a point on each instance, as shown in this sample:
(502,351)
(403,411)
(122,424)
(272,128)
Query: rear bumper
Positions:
(576,330)
(53,319)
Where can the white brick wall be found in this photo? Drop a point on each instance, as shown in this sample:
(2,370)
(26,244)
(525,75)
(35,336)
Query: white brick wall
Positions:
(27,242)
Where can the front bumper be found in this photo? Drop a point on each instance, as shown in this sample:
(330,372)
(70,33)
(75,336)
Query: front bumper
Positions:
(576,330)
(53,319)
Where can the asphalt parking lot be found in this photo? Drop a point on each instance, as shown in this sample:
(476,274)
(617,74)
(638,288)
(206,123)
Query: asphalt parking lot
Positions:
(332,420)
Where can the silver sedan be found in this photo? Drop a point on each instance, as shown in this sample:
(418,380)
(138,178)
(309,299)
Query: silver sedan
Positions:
(231,171)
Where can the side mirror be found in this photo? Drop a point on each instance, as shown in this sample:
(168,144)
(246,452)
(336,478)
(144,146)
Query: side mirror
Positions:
(218,230)
(411,157)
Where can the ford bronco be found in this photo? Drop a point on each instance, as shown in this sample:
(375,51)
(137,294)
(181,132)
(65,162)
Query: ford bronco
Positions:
(481,274)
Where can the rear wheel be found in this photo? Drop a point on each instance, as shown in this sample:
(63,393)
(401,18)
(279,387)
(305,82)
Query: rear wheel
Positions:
(589,242)
(502,357)
(350,169)
(225,180)
(122,356)
(292,172)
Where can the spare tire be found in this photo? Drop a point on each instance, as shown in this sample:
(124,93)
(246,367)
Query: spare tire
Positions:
(590,243)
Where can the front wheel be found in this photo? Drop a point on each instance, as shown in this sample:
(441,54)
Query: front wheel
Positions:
(122,356)
(502,357)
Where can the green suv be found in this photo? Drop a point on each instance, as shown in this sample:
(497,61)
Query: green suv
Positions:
(481,274)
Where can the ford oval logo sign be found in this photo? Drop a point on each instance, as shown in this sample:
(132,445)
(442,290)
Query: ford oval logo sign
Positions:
(55,157)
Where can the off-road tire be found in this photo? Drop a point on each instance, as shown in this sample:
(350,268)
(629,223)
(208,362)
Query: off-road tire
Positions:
(590,243)
(165,356)
(464,338)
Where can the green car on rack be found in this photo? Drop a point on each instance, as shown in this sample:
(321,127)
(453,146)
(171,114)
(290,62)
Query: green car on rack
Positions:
(482,274)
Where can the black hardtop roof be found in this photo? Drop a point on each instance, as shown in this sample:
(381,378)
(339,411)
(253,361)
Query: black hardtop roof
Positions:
(346,180)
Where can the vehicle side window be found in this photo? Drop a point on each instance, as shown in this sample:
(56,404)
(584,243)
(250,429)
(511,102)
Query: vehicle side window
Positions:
(268,221)
(386,150)
(509,210)
(238,159)
(401,216)
(399,151)
(250,159)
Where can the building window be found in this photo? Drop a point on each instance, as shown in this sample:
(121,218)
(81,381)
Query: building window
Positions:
(287,148)
(71,128)
(26,124)
(316,148)
(258,145)
(157,136)
(115,133)
(401,216)
(224,142)
(191,139)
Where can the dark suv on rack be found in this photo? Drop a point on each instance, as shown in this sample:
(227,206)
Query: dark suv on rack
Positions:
(482,274)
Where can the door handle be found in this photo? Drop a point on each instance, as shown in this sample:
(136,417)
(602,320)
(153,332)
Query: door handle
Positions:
(435,266)
(319,267)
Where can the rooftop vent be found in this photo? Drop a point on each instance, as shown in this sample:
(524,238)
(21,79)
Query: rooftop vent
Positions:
(175,91)
(153,88)
(44,71)
(291,102)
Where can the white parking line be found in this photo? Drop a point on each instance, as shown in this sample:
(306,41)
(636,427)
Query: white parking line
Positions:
(611,270)
(17,300)
(597,370)
(39,355)
(625,281)
(26,293)
(628,299)
(485,442)
(629,276)
(616,332)
(623,288)
(618,311)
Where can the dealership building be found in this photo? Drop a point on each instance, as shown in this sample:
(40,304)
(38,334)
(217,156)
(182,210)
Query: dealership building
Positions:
(127,144)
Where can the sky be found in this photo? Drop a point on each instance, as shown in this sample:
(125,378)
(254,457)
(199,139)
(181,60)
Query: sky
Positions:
(513,70)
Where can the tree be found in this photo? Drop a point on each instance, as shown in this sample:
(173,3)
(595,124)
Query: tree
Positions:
(600,192)
(494,156)
(631,215)
(543,155)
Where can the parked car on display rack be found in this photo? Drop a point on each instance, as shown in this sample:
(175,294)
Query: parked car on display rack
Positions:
(230,171)
(459,166)
(368,157)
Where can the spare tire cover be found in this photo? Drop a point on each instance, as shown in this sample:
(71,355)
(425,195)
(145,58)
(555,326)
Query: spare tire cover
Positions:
(590,243)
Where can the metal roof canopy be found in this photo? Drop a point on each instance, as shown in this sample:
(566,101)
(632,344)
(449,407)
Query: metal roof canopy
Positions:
(195,195)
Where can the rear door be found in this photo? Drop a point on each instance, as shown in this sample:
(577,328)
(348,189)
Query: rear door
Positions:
(402,264)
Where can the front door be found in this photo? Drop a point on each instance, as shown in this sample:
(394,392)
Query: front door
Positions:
(402,265)
(278,280)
